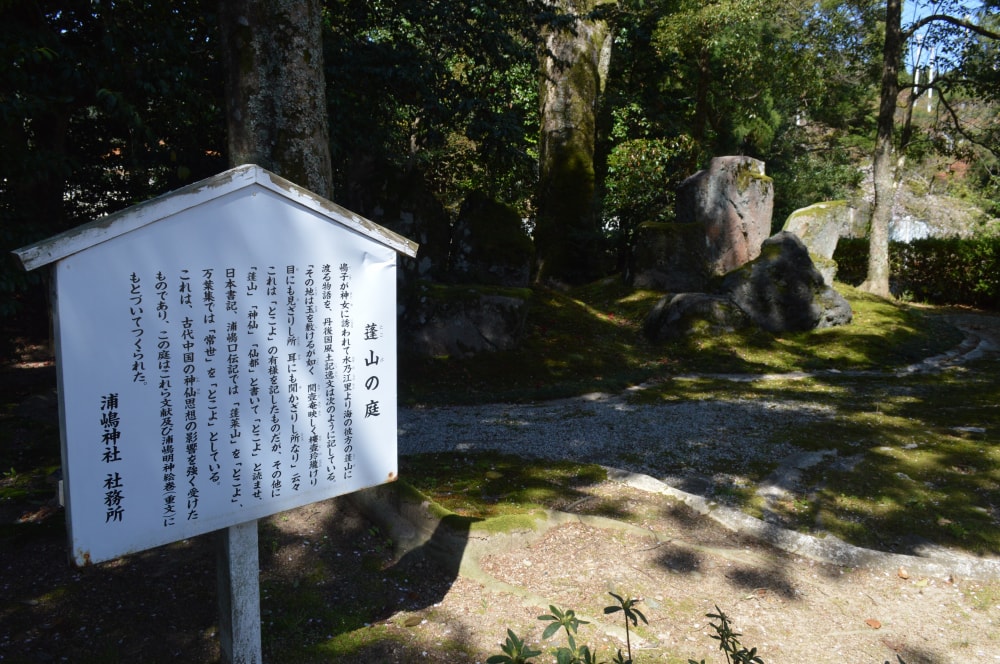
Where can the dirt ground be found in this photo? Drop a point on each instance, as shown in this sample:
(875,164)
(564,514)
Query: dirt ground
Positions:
(159,606)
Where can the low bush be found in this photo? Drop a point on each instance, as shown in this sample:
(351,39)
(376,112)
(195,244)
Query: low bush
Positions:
(950,271)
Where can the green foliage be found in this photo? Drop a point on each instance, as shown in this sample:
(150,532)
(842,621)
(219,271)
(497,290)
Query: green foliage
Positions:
(725,61)
(515,651)
(937,270)
(641,183)
(566,620)
(632,615)
(729,643)
(808,179)
(447,89)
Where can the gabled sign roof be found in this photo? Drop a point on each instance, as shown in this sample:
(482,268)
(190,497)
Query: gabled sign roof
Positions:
(224,352)
(114,225)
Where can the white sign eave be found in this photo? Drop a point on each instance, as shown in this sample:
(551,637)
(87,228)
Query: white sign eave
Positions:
(119,223)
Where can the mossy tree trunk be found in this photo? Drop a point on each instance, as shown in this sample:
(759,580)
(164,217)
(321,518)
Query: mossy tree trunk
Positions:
(573,67)
(883,166)
(276,90)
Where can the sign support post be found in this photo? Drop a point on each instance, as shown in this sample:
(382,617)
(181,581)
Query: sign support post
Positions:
(239,594)
(224,352)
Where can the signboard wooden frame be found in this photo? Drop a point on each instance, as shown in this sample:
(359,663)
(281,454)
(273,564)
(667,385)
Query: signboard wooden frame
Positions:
(224,352)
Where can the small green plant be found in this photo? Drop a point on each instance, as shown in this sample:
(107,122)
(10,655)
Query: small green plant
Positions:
(515,651)
(632,614)
(568,621)
(728,643)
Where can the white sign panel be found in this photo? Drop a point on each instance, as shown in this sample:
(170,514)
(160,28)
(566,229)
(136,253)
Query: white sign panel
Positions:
(220,365)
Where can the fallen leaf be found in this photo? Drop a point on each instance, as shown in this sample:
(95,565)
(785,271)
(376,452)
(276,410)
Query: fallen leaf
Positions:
(874,624)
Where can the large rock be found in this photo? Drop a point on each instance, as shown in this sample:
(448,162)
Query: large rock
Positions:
(820,227)
(403,202)
(684,314)
(461,321)
(669,257)
(489,245)
(733,200)
(782,291)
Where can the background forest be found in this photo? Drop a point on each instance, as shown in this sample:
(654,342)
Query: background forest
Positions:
(108,103)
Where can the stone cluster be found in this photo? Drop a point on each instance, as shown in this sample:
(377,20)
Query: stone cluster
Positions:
(722,271)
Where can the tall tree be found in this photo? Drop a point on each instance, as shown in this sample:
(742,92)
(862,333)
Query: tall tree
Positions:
(276,89)
(276,118)
(888,157)
(574,64)
(883,166)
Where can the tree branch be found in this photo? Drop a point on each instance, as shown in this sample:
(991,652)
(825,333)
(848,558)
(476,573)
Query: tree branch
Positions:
(958,126)
(945,18)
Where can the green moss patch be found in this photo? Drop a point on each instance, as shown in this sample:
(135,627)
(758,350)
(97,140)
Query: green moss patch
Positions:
(498,488)
(916,454)
(590,339)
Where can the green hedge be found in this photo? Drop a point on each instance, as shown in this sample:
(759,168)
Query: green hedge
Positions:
(937,270)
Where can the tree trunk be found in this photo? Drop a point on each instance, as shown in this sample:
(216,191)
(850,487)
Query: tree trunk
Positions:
(276,117)
(276,90)
(573,69)
(884,163)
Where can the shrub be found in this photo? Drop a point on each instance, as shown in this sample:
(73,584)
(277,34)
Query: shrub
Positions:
(641,184)
(516,651)
(938,270)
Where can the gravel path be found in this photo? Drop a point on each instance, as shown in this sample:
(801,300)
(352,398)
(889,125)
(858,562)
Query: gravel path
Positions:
(679,443)
(689,445)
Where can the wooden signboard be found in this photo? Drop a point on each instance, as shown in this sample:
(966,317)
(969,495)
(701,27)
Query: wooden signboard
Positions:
(224,352)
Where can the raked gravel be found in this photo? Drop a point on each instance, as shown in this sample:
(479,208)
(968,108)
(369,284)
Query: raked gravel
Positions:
(689,444)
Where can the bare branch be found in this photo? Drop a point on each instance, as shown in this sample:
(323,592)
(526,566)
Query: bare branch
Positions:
(946,18)
(959,127)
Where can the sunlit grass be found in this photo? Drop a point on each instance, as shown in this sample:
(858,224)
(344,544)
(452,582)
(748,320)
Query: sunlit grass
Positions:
(922,447)
(487,486)
(590,339)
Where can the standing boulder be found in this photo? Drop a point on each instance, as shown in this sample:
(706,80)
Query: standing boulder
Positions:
(482,304)
(402,201)
(463,321)
(820,226)
(733,200)
(669,257)
(782,291)
(489,245)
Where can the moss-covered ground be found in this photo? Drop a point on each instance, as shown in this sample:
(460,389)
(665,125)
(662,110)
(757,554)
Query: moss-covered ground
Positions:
(921,449)
(923,452)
